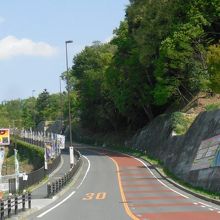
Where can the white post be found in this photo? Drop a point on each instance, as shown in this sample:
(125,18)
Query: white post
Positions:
(16,168)
(71,156)
(45,157)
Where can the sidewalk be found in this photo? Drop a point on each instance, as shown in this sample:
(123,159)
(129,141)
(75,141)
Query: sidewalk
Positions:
(40,192)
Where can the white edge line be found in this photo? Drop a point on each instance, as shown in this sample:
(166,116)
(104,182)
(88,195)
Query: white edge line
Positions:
(156,177)
(71,194)
(85,173)
(206,205)
(58,204)
(161,181)
(209,206)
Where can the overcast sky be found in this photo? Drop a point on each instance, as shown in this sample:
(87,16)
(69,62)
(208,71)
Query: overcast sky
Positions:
(33,35)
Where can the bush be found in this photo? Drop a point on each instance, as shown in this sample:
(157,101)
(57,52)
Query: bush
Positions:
(212,107)
(181,122)
(33,153)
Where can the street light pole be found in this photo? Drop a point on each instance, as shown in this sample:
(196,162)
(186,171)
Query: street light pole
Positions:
(68,91)
(61,103)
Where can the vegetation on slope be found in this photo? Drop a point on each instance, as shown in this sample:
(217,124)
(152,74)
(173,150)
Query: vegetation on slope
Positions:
(162,54)
(30,158)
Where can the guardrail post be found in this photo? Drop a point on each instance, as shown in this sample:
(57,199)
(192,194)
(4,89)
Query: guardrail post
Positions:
(2,209)
(65,178)
(23,202)
(57,186)
(29,200)
(48,190)
(16,204)
(53,188)
(9,206)
(60,183)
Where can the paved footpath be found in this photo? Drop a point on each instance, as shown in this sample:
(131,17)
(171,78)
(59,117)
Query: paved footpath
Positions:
(41,191)
(39,194)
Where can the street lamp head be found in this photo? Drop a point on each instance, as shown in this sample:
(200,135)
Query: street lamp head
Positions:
(68,41)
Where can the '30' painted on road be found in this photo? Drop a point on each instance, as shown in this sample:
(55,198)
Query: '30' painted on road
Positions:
(97,196)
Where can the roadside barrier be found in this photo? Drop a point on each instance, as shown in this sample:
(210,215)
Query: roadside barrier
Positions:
(14,204)
(55,186)
(37,175)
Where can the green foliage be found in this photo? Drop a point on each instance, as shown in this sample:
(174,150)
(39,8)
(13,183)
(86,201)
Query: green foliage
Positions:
(42,106)
(34,153)
(11,113)
(89,78)
(48,107)
(158,56)
(29,113)
(213,59)
(164,52)
(212,107)
(181,122)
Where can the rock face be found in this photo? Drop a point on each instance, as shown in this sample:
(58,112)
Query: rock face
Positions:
(179,152)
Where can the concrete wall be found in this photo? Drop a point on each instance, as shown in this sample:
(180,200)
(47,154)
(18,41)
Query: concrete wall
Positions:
(179,152)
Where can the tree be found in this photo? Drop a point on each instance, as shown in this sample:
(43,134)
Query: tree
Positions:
(42,106)
(213,59)
(88,72)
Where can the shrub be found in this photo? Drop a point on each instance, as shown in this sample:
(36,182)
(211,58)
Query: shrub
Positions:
(181,122)
(212,107)
(34,154)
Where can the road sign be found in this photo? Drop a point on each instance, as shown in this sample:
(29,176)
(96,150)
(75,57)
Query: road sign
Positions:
(4,136)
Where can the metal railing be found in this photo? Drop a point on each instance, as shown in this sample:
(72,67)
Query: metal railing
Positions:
(55,186)
(38,175)
(13,204)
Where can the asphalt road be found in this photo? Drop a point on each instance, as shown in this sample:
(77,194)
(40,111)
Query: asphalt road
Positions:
(117,187)
(97,196)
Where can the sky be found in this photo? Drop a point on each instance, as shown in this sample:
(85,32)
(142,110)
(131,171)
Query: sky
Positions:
(33,35)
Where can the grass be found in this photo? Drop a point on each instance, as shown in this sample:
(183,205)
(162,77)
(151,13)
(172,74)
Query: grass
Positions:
(181,122)
(30,157)
(9,163)
(212,107)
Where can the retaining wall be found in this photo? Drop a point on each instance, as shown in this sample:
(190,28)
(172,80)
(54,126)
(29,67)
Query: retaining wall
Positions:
(179,152)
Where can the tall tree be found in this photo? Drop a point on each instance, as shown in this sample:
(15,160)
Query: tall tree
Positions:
(89,69)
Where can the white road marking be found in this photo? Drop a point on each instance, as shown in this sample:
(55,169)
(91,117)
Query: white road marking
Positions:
(205,204)
(209,206)
(85,173)
(58,204)
(155,176)
(71,194)
(160,180)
